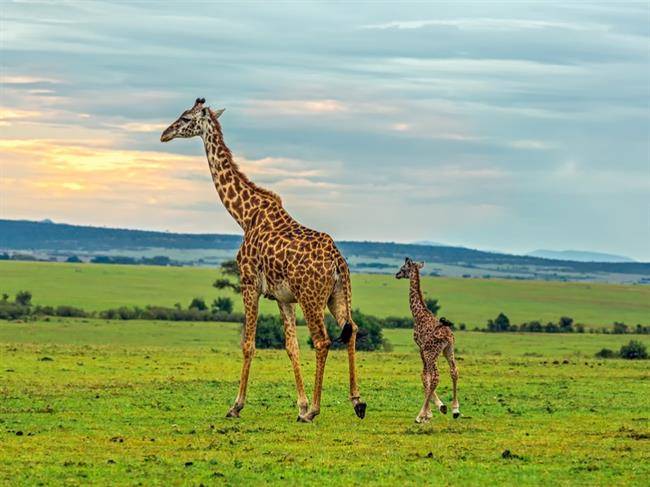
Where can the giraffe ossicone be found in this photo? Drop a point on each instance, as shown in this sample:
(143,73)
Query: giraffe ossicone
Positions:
(279,259)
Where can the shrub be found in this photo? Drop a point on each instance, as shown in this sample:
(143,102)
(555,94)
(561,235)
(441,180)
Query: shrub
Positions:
(70,311)
(13,311)
(606,353)
(224,304)
(73,259)
(501,323)
(397,322)
(199,304)
(369,335)
(432,305)
(620,328)
(551,327)
(270,332)
(23,298)
(634,350)
(566,324)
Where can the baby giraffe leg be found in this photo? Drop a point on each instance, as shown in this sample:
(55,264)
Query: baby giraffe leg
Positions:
(430,377)
(453,369)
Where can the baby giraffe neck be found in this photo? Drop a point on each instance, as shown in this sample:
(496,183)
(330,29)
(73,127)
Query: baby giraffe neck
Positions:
(416,299)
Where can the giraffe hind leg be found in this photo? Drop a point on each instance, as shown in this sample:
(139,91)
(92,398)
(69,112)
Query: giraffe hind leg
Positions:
(338,306)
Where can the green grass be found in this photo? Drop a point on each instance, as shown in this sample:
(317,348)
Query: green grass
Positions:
(144,402)
(470,301)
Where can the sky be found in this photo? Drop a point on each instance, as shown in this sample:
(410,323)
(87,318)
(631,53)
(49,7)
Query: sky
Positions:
(500,126)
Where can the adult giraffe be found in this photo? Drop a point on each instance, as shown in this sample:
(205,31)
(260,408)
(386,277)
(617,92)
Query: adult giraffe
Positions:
(280,259)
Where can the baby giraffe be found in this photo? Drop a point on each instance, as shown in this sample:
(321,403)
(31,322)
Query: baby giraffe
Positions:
(433,336)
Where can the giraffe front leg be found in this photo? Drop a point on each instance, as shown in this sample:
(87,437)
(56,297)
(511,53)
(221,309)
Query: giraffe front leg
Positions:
(251,301)
(430,378)
(288,313)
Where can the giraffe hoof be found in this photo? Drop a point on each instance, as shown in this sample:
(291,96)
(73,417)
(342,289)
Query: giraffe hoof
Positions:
(360,409)
(443,408)
(303,419)
(232,413)
(421,419)
(456,412)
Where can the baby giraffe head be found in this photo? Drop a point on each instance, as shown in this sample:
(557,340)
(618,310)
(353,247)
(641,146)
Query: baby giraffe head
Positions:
(408,268)
(192,122)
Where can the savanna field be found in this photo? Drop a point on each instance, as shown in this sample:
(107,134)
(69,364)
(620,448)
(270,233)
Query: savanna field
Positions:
(143,402)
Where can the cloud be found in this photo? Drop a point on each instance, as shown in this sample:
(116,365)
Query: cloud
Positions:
(464,121)
(489,24)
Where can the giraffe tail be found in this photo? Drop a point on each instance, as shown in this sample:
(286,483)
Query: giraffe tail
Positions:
(344,276)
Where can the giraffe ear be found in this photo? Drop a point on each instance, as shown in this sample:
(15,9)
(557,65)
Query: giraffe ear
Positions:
(217,113)
(407,260)
(420,265)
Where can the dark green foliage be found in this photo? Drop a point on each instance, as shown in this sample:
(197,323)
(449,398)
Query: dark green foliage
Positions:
(226,283)
(73,259)
(369,335)
(230,268)
(198,304)
(270,332)
(606,353)
(13,311)
(432,305)
(620,328)
(551,327)
(566,324)
(23,298)
(224,304)
(634,350)
(500,324)
(397,322)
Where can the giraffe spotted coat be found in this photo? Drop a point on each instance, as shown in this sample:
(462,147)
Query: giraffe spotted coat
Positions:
(280,259)
(433,336)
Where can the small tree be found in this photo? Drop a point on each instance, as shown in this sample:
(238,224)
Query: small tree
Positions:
(198,304)
(634,350)
(24,298)
(432,305)
(224,304)
(606,353)
(501,323)
(230,268)
(566,324)
(620,328)
(73,259)
(5,297)
(270,332)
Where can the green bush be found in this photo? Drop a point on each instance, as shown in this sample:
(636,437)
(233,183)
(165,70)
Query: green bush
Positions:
(369,335)
(432,304)
(634,350)
(23,298)
(198,304)
(224,304)
(606,353)
(270,332)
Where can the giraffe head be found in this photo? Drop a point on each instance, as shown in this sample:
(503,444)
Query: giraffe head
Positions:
(192,122)
(409,266)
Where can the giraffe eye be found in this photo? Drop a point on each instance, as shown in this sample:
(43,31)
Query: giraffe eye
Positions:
(186,119)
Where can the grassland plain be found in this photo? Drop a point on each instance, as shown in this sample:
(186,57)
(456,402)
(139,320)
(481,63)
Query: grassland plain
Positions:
(91,401)
(470,301)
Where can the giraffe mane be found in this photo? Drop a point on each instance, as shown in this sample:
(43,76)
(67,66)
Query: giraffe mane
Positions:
(263,191)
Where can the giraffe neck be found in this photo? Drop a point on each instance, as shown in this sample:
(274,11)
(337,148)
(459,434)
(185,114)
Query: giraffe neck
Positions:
(416,300)
(242,198)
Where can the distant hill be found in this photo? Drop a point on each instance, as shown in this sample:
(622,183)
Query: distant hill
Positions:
(57,241)
(579,256)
